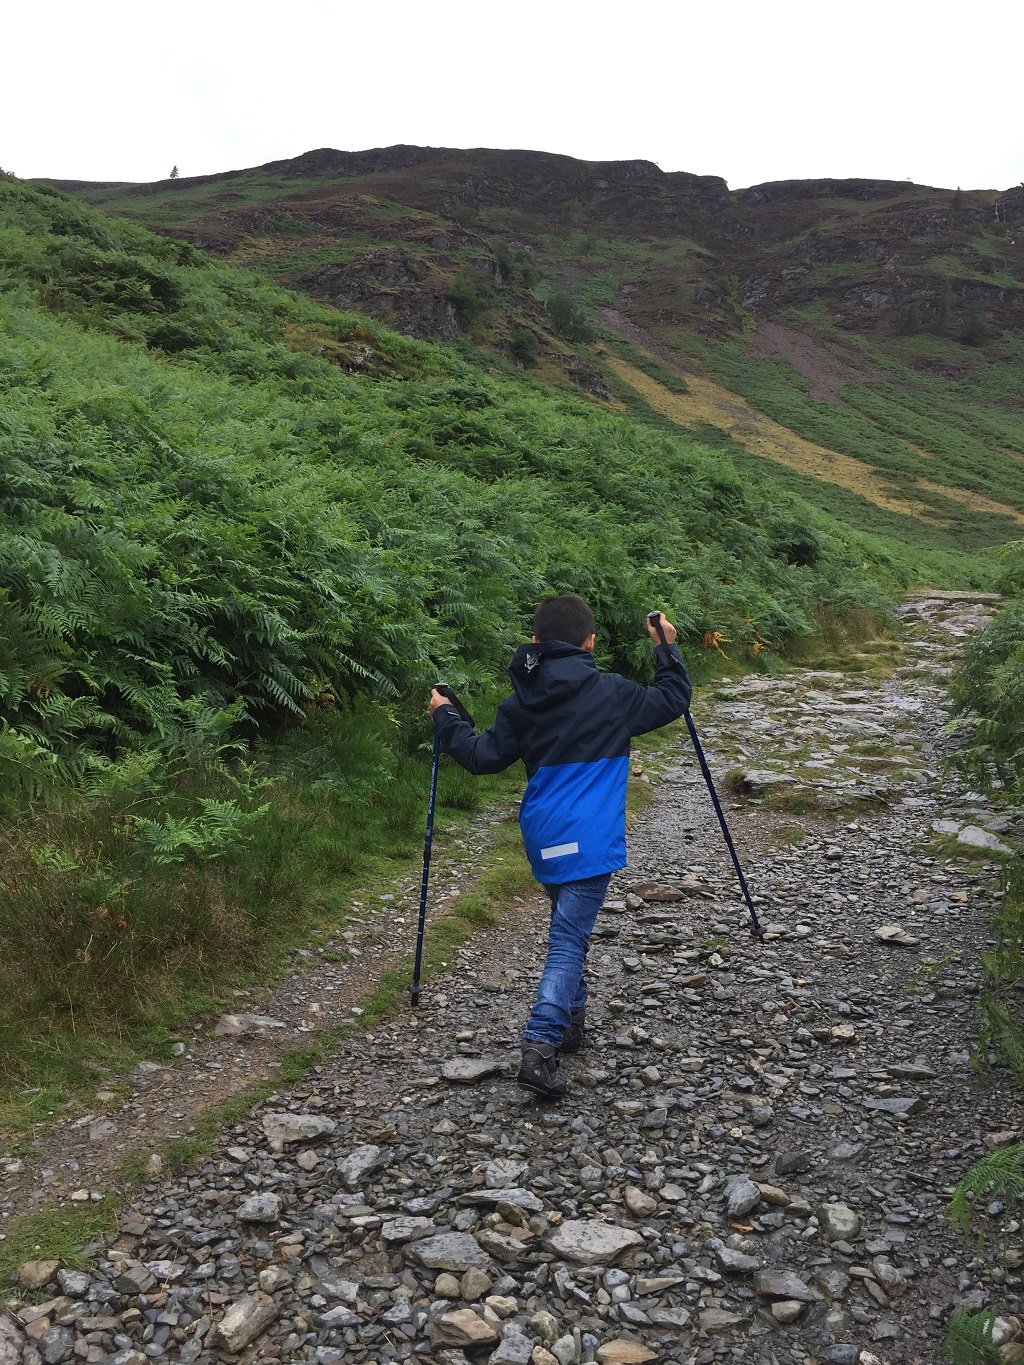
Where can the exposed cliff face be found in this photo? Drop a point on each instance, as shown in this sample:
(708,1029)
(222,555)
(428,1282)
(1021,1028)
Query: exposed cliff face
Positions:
(439,241)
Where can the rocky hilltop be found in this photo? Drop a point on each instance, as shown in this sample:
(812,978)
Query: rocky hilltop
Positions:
(447,243)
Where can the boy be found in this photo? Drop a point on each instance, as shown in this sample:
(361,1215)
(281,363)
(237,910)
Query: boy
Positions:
(571,726)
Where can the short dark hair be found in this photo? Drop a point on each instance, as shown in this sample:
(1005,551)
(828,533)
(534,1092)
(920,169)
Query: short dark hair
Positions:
(564,618)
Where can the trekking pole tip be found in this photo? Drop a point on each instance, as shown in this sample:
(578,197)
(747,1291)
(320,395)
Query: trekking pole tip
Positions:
(414,996)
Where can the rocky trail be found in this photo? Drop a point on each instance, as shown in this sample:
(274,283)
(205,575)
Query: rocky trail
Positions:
(759,1141)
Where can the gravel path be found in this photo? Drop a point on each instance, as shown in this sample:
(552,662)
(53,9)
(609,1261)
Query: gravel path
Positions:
(759,1141)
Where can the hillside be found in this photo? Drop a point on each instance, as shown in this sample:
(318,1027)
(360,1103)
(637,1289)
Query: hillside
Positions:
(242,533)
(873,326)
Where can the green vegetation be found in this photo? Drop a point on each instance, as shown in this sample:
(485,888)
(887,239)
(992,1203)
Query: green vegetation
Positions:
(965,428)
(242,535)
(987,693)
(60,1234)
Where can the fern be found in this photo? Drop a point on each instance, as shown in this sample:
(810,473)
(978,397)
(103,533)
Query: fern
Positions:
(968,1338)
(998,1176)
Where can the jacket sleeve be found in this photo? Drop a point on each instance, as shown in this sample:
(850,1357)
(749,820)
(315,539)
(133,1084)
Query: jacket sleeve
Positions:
(647,708)
(492,752)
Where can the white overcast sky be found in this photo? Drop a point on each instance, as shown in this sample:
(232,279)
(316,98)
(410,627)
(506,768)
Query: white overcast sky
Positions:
(905,89)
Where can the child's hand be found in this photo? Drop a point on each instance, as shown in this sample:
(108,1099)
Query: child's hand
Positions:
(437,700)
(667,627)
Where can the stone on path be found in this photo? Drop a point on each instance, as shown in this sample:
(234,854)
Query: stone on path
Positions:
(360,1163)
(504,1174)
(34,1274)
(897,1107)
(282,1128)
(589,1242)
(244,1321)
(895,933)
(469,1070)
(260,1208)
(741,1195)
(639,1203)
(974,837)
(784,1284)
(462,1327)
(720,1320)
(239,1025)
(454,1251)
(11,1342)
(840,1222)
(513,1349)
(658,892)
(787,1310)
(622,1351)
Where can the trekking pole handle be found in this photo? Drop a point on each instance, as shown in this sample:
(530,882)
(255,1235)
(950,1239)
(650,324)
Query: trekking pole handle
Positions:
(453,700)
(655,619)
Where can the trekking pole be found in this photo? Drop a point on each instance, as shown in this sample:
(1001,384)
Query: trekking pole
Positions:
(435,763)
(655,619)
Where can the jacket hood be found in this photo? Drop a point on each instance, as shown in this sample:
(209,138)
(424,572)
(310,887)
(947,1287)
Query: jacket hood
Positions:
(549,672)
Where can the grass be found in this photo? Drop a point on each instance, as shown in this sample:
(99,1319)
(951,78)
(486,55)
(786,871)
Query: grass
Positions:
(64,1027)
(62,1234)
(889,486)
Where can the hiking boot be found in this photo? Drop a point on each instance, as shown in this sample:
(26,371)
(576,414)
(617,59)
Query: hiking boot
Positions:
(539,1070)
(576,1033)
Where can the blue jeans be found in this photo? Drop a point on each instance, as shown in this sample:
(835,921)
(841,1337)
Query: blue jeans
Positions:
(563,987)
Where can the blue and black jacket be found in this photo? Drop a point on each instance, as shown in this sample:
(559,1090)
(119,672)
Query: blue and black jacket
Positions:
(571,726)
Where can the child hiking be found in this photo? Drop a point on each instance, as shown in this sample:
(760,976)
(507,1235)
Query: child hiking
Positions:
(571,726)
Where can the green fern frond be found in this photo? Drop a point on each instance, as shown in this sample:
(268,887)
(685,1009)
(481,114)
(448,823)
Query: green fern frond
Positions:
(998,1176)
(968,1338)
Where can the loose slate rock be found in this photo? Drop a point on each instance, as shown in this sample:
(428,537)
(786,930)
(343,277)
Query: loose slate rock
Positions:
(360,1163)
(840,1222)
(741,1195)
(469,1070)
(784,1284)
(244,1321)
(589,1242)
(462,1327)
(282,1128)
(622,1351)
(34,1274)
(513,1349)
(898,1108)
(895,933)
(454,1251)
(260,1208)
